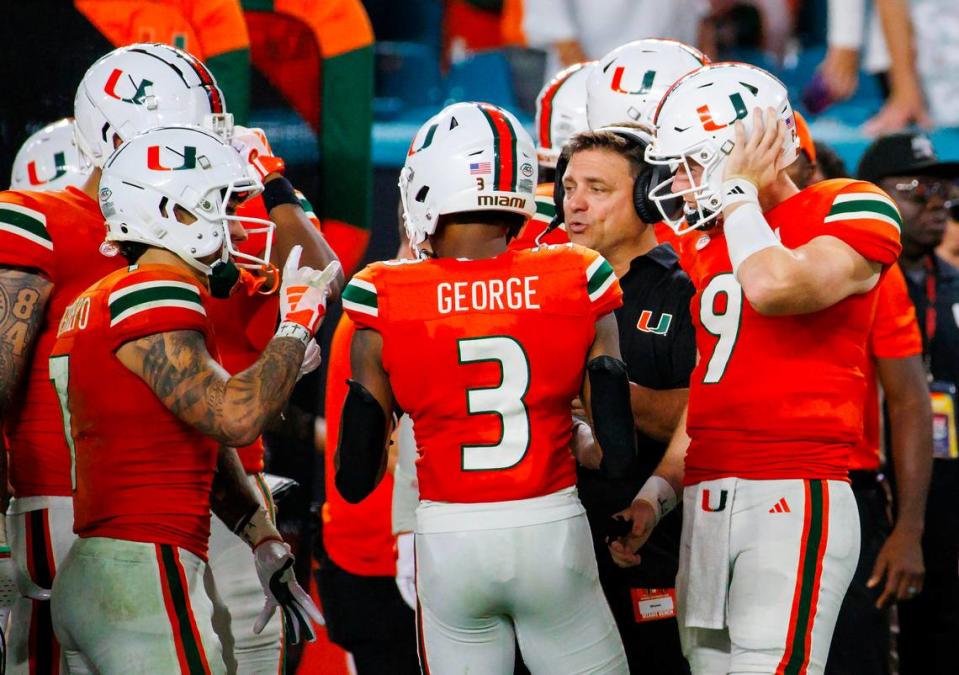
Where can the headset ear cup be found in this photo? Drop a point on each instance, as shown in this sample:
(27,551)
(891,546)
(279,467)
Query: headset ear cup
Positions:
(645,208)
(559,193)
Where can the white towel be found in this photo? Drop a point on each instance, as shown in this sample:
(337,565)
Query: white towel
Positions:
(704,593)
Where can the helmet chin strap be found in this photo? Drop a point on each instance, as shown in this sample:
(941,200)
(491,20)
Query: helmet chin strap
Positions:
(223,276)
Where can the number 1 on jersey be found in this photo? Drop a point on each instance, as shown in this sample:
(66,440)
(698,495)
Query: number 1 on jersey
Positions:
(505,400)
(724,325)
(60,376)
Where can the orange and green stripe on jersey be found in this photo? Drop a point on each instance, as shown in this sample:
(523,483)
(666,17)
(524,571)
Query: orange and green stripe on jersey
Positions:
(812,550)
(545,210)
(26,223)
(864,206)
(504,149)
(176,599)
(148,295)
(599,277)
(360,296)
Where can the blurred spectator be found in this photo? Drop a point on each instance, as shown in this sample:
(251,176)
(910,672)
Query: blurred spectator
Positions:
(581,30)
(738,27)
(471,25)
(906,167)
(912,45)
(211,30)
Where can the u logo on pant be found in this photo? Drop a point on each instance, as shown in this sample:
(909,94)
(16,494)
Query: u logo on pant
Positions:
(707,502)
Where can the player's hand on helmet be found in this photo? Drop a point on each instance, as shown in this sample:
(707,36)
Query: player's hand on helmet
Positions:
(253,147)
(406,568)
(303,291)
(624,550)
(759,157)
(274,566)
(900,562)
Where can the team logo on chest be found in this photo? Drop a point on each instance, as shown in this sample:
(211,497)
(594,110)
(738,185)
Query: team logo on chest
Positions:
(645,322)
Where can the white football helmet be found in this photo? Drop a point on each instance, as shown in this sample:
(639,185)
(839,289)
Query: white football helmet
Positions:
(140,87)
(467,157)
(626,84)
(694,123)
(188,167)
(561,112)
(49,160)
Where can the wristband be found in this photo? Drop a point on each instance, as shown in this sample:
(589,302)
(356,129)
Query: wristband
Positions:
(747,232)
(739,190)
(658,493)
(291,329)
(277,192)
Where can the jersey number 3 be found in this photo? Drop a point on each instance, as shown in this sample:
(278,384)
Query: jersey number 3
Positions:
(505,400)
(722,290)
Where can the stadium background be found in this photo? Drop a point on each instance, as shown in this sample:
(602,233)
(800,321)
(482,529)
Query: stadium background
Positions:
(340,87)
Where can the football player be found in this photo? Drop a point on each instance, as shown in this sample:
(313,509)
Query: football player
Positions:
(484,348)
(50,251)
(785,295)
(145,406)
(50,160)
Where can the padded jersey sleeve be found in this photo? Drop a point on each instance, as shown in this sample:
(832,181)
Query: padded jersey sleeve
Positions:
(24,239)
(866,218)
(146,302)
(602,287)
(895,331)
(361,298)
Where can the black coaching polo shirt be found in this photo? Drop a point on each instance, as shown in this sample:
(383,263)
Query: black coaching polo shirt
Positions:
(658,344)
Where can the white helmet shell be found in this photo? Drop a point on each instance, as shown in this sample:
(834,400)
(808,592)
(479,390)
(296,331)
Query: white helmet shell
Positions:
(188,167)
(695,123)
(561,112)
(467,157)
(140,87)
(49,160)
(625,85)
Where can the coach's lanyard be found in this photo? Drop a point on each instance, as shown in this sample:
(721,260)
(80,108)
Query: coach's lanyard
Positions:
(929,314)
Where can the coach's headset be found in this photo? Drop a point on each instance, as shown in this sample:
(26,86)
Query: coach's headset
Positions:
(648,176)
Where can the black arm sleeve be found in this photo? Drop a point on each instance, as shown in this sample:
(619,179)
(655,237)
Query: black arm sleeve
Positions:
(612,415)
(361,451)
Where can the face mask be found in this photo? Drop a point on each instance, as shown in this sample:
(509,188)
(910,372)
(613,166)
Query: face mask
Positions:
(223,277)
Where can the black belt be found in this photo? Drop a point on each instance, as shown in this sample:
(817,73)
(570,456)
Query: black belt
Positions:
(864,480)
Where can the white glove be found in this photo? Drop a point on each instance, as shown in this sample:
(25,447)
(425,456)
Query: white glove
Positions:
(274,566)
(303,295)
(311,359)
(253,147)
(406,568)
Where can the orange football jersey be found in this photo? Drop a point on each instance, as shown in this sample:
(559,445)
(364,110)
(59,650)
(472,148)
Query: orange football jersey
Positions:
(140,473)
(895,335)
(782,396)
(358,537)
(58,234)
(485,356)
(545,211)
(245,322)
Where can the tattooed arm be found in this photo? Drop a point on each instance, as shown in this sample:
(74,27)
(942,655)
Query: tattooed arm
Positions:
(195,388)
(23,302)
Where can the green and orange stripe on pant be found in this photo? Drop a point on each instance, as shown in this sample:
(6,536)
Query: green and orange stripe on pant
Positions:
(43,646)
(812,549)
(176,599)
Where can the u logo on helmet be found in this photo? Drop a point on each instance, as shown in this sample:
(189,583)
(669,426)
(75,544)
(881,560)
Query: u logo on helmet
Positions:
(59,161)
(110,88)
(706,116)
(154,163)
(617,83)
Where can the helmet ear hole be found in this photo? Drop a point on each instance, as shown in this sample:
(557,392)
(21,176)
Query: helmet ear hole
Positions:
(163,211)
(421,195)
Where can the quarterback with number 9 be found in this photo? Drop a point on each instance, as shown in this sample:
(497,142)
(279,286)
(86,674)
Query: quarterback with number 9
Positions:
(785,297)
(485,348)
